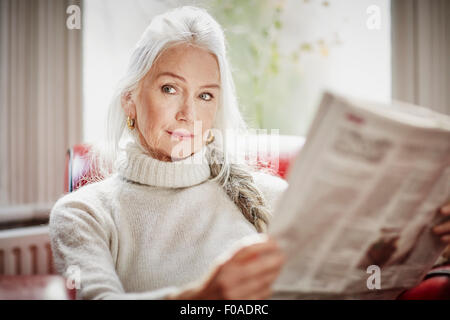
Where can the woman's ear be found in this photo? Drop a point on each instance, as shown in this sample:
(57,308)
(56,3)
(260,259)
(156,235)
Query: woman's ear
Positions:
(128,104)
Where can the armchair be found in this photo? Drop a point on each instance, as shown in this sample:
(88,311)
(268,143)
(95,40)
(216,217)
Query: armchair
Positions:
(436,284)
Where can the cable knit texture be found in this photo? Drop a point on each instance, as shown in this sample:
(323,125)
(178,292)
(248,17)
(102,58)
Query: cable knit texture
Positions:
(150,228)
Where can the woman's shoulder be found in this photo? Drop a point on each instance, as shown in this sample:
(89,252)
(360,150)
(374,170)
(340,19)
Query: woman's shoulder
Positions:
(91,191)
(271,185)
(91,199)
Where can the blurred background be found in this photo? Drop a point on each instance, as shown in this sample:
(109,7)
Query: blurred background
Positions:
(60,61)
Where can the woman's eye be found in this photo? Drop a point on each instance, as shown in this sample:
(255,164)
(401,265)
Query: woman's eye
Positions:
(206,96)
(168,89)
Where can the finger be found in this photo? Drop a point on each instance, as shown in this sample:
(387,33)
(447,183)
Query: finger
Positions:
(253,250)
(442,228)
(238,276)
(261,295)
(259,267)
(446,239)
(253,276)
(445,210)
(263,264)
(246,292)
(266,294)
(257,285)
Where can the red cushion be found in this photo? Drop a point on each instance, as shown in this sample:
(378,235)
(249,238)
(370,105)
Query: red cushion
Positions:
(78,167)
(436,286)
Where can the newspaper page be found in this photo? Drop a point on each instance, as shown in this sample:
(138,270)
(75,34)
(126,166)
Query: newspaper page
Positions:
(363,195)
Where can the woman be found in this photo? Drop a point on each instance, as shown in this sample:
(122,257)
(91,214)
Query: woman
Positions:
(175,217)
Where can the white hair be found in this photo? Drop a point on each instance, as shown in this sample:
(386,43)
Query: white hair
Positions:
(195,26)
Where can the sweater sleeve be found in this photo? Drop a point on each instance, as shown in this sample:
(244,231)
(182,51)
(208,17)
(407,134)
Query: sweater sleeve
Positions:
(80,240)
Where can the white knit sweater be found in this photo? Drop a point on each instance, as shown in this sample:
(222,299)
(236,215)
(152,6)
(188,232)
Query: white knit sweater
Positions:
(149,229)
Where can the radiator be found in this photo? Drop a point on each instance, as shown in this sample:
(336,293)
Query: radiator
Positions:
(25,251)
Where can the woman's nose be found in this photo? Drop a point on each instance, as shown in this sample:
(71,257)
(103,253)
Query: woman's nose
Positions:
(186,111)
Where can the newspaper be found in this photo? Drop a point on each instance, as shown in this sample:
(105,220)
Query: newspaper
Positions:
(363,195)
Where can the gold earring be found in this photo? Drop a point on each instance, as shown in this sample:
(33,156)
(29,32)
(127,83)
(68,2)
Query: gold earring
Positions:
(130,123)
(210,137)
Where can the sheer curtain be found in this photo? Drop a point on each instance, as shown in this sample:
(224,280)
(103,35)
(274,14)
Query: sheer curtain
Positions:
(421,53)
(40,99)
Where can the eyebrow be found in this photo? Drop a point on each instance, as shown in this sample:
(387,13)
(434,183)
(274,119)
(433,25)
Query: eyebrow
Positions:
(170,74)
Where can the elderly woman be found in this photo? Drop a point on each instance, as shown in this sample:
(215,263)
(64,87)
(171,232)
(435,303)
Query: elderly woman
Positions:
(168,220)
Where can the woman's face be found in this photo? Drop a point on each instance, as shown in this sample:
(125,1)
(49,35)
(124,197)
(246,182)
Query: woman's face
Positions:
(175,103)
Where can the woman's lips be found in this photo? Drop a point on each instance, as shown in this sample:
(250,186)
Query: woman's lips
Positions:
(181,135)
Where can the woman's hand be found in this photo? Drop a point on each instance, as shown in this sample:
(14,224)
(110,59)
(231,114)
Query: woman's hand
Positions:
(443,229)
(247,274)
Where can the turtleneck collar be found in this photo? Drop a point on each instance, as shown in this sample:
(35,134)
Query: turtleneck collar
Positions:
(137,165)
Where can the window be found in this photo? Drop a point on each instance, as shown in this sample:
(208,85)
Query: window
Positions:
(284,53)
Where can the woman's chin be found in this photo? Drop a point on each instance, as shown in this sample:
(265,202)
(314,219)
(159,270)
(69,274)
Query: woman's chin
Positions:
(182,150)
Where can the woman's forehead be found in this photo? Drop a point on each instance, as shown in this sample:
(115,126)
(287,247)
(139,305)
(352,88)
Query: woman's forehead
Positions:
(189,62)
